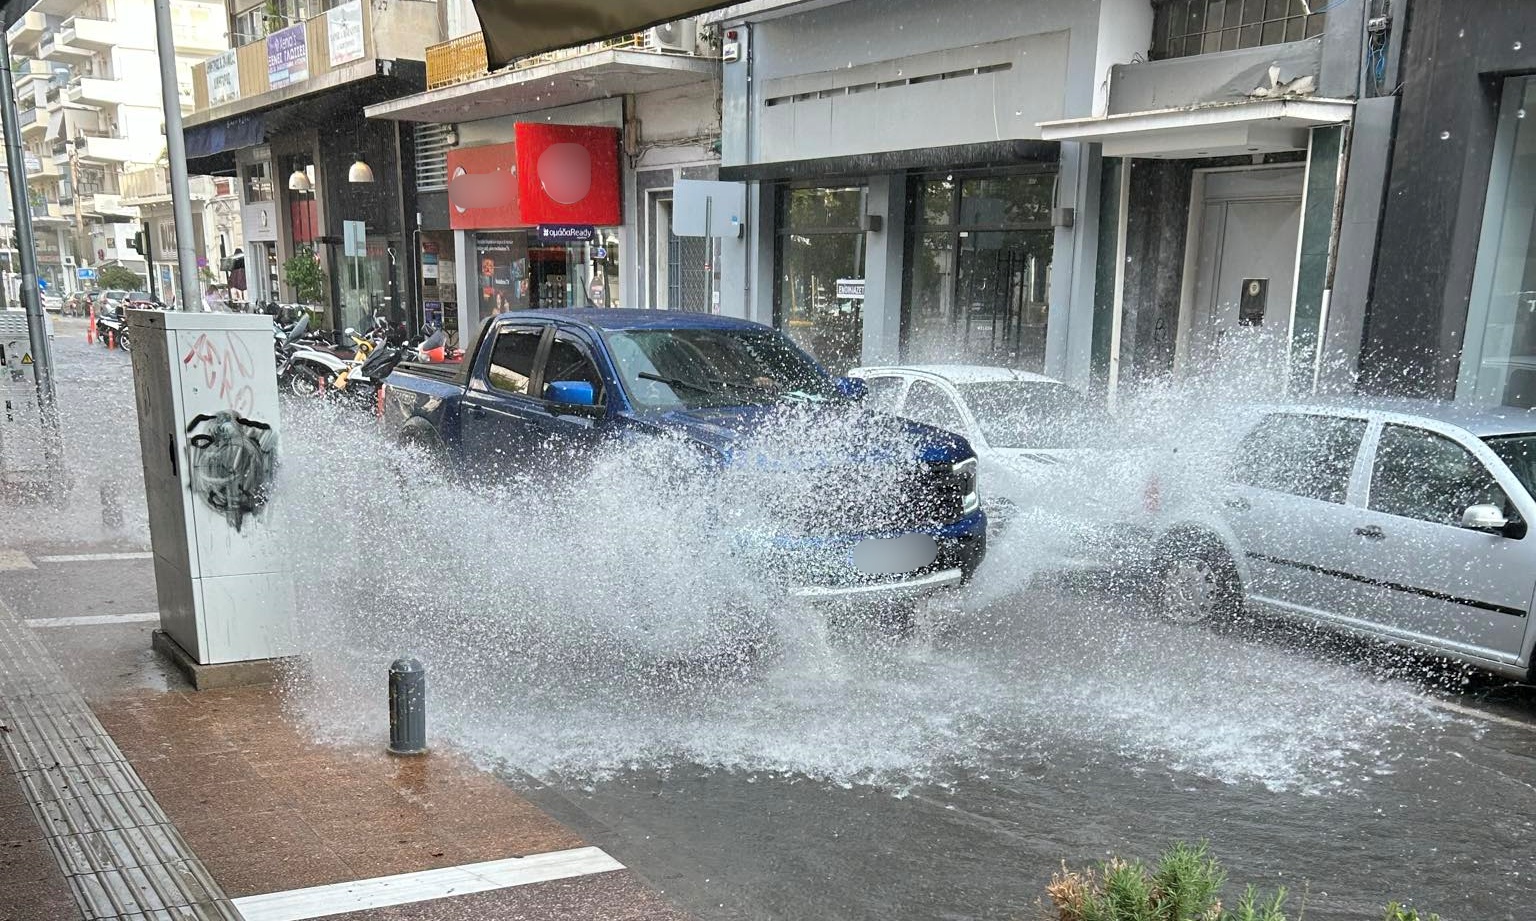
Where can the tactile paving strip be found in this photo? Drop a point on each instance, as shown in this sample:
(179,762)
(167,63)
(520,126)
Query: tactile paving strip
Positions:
(122,856)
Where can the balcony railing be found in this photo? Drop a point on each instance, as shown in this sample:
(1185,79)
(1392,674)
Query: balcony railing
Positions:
(394,31)
(462,59)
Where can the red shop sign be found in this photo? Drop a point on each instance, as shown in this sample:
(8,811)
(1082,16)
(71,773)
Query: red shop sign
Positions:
(482,188)
(567,174)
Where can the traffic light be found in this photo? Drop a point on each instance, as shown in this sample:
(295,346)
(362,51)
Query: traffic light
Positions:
(140,242)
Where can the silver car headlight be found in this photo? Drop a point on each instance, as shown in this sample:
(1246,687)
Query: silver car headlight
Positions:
(965,476)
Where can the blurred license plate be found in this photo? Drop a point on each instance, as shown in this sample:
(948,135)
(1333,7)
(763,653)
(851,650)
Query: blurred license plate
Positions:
(884,556)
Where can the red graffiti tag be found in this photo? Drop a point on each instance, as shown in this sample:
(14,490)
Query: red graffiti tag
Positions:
(228,370)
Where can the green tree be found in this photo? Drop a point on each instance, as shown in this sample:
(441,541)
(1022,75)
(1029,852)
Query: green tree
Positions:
(116,277)
(303,273)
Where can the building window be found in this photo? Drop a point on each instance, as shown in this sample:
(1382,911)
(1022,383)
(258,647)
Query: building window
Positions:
(431,142)
(258,183)
(820,242)
(978,269)
(1499,365)
(1185,27)
(682,266)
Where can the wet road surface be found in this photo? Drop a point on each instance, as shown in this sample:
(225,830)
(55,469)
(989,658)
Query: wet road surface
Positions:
(949,778)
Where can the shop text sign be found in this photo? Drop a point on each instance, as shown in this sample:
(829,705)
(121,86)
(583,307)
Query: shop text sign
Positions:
(566,233)
(568,174)
(223,78)
(287,57)
(344,32)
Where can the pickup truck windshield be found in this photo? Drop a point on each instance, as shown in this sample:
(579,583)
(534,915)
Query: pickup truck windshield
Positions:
(695,368)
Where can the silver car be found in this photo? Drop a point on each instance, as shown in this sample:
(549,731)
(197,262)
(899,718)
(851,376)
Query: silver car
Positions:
(1403,521)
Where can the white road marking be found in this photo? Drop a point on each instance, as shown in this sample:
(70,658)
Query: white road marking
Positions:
(93,557)
(11,560)
(383,891)
(1476,714)
(93,620)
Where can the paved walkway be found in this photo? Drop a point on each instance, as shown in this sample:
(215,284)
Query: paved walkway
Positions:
(126,794)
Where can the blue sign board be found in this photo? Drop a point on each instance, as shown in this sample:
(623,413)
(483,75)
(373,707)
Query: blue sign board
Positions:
(85,273)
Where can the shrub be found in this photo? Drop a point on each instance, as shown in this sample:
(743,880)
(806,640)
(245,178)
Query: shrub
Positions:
(303,272)
(116,277)
(1184,885)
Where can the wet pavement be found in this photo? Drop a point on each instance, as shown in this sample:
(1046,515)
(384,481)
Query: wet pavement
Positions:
(943,779)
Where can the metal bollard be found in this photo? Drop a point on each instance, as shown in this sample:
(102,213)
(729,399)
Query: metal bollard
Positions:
(407,708)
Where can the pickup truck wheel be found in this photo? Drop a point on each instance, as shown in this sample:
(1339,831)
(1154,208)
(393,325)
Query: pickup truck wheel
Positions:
(1198,583)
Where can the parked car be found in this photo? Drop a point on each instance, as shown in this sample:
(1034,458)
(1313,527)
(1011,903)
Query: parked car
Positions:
(1404,521)
(577,378)
(1042,447)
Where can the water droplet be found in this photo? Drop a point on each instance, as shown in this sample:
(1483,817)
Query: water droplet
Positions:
(1461,33)
(1519,113)
(1445,135)
(1518,46)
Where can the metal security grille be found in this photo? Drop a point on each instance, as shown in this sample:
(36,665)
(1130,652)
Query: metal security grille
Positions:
(1186,27)
(431,158)
(687,273)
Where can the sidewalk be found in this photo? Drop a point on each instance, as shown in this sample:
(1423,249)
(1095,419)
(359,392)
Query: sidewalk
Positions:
(172,803)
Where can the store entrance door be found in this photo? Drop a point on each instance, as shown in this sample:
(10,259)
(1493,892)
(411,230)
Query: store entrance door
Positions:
(1244,271)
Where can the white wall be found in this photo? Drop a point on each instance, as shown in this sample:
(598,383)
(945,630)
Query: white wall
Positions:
(1125,30)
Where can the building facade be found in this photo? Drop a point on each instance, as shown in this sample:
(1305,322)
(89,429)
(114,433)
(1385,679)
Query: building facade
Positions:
(320,185)
(88,89)
(1454,293)
(642,109)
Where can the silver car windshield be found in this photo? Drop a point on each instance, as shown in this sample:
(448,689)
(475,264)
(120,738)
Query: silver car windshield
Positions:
(1519,453)
(1035,414)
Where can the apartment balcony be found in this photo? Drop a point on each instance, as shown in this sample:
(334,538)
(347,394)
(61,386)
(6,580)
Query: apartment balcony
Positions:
(27,70)
(99,91)
(54,47)
(27,31)
(95,34)
(48,213)
(33,124)
(459,88)
(243,80)
(112,150)
(42,167)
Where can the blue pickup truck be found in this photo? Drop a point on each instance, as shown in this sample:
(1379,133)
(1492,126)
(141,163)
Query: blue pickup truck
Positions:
(552,384)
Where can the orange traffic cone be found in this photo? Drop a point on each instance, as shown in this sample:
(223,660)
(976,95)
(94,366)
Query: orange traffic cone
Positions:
(90,327)
(111,340)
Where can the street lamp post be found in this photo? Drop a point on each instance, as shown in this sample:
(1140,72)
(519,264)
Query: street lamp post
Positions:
(176,153)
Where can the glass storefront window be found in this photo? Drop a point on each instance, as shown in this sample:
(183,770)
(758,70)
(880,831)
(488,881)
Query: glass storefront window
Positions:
(820,244)
(516,272)
(978,272)
(1499,366)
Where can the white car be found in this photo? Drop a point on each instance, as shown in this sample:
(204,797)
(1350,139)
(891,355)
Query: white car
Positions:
(1403,521)
(1048,452)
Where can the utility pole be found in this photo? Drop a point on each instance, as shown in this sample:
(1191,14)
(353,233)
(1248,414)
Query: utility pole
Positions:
(81,248)
(176,153)
(16,170)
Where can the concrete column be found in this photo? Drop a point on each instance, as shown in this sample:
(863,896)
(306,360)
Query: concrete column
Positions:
(762,279)
(1069,322)
(883,257)
(464,268)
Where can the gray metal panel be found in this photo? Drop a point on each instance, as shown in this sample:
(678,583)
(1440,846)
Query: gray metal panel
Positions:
(1355,259)
(1225,76)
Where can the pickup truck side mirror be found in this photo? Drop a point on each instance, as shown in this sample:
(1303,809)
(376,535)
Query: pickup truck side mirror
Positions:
(851,387)
(570,393)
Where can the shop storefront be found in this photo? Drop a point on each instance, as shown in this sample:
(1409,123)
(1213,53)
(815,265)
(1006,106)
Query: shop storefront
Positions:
(978,271)
(1499,358)
(821,257)
(544,215)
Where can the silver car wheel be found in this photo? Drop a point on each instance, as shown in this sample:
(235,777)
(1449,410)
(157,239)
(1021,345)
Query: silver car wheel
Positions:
(1191,591)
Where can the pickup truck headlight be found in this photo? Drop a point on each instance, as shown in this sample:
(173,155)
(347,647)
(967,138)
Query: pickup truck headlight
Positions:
(965,478)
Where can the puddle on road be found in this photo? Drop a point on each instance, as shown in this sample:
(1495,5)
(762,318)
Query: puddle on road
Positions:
(534,613)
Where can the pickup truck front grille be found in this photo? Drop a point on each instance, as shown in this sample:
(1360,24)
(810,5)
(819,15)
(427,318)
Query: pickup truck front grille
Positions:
(861,501)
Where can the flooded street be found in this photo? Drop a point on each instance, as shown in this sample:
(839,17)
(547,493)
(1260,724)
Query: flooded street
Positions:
(845,775)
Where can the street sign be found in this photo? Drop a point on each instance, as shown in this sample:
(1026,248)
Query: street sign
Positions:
(600,253)
(85,273)
(354,238)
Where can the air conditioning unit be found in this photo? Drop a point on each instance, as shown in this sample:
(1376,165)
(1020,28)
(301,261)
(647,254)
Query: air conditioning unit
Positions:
(681,36)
